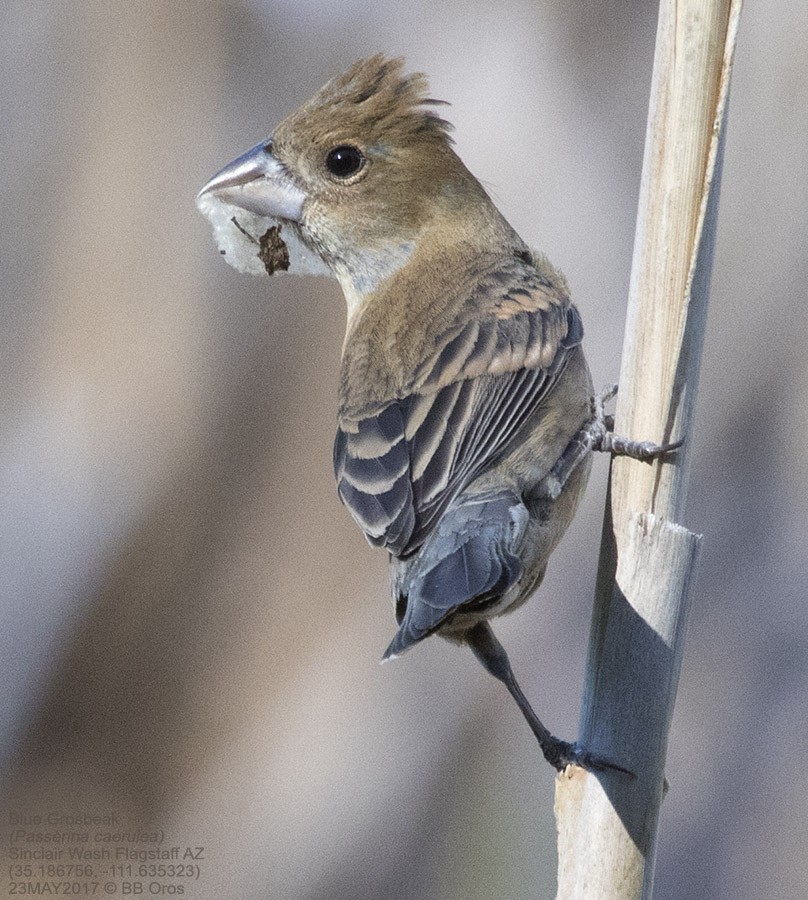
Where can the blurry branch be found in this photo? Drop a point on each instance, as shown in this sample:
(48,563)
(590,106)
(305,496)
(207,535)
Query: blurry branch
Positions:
(607,823)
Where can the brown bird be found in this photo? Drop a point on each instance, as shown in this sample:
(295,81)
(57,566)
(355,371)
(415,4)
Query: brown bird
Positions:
(466,410)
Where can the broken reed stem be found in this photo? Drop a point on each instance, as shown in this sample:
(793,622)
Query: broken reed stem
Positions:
(607,823)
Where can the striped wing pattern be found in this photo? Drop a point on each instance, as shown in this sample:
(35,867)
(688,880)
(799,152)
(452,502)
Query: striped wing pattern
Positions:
(400,463)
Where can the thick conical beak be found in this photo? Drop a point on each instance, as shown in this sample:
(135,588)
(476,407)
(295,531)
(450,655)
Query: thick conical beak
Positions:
(257,182)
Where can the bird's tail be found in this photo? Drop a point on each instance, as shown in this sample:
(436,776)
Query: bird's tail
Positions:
(466,565)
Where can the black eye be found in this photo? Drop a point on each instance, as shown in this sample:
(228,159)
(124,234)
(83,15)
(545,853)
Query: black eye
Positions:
(344,161)
(268,147)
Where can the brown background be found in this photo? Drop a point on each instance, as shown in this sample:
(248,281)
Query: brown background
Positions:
(191,624)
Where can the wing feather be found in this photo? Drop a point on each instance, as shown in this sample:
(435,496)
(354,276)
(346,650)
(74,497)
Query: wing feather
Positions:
(401,461)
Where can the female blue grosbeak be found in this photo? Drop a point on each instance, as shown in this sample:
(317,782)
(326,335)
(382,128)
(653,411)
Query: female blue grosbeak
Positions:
(466,411)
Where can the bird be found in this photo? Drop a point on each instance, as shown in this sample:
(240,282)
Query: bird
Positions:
(466,411)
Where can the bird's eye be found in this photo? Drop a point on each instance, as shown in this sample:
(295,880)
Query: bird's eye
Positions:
(344,161)
(267,148)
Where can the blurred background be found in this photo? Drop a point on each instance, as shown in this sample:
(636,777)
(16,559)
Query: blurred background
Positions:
(191,623)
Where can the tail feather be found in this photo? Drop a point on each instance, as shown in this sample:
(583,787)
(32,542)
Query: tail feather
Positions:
(468,563)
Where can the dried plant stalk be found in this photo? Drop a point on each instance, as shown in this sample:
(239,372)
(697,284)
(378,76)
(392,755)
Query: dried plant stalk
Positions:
(607,823)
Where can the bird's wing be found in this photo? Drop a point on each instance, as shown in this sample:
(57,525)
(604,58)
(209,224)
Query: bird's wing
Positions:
(400,462)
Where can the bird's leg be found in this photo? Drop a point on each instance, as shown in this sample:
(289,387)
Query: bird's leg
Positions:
(596,434)
(606,440)
(558,753)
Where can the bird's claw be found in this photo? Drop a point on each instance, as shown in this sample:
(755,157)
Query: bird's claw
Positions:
(603,396)
(642,450)
(564,753)
(608,442)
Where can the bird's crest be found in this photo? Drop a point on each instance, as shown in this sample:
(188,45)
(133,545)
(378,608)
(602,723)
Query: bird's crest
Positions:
(375,96)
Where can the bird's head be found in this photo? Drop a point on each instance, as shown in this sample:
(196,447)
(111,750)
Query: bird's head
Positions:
(361,173)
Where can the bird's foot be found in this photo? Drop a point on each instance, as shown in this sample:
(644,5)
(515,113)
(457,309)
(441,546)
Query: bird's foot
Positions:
(604,439)
(596,434)
(642,450)
(561,754)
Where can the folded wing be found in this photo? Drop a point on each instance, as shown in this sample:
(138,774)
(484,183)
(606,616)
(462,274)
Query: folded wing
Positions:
(400,462)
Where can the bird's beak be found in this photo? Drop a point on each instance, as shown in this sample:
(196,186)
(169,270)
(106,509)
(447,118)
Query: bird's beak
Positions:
(257,182)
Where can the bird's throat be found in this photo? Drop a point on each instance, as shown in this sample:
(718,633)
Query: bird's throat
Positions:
(362,274)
